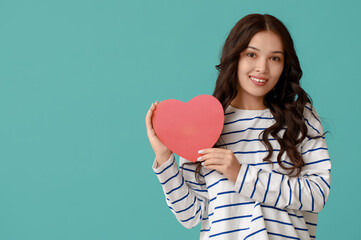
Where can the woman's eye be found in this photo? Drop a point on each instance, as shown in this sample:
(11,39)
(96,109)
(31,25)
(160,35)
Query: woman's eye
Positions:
(251,54)
(277,59)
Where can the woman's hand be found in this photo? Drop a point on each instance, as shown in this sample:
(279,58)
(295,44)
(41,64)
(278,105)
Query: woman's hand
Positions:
(161,151)
(222,160)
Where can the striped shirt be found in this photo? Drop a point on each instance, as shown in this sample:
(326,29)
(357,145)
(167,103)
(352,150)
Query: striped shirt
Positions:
(264,202)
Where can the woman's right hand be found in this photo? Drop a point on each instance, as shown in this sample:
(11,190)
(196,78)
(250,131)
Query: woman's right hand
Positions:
(161,151)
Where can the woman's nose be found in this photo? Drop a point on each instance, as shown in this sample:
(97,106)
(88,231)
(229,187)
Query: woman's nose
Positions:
(262,65)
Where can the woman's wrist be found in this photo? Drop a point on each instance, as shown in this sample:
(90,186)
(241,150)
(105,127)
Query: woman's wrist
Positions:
(162,158)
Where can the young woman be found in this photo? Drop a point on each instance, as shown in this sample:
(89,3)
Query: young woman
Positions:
(268,176)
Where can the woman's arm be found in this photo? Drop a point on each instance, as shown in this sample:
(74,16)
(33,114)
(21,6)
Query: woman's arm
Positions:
(307,192)
(186,198)
(187,202)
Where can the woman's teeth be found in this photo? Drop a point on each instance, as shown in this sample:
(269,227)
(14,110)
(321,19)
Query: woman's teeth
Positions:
(258,80)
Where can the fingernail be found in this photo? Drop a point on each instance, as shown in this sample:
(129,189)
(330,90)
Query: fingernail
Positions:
(198,159)
(200,151)
(202,163)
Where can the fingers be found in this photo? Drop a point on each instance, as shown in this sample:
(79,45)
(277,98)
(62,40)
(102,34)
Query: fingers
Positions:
(213,150)
(148,118)
(215,158)
(212,155)
(212,161)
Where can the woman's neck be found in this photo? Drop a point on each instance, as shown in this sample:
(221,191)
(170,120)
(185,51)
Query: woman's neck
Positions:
(248,103)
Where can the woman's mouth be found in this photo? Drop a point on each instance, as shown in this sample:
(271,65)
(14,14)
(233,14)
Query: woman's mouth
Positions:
(257,81)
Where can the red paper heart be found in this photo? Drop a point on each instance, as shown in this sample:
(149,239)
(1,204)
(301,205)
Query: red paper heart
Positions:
(188,127)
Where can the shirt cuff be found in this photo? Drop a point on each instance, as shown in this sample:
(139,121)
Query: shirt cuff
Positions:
(242,175)
(167,169)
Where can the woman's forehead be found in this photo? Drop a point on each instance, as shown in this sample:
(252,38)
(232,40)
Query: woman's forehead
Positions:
(266,41)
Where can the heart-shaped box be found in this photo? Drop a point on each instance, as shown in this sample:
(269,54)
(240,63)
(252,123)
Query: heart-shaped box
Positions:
(188,127)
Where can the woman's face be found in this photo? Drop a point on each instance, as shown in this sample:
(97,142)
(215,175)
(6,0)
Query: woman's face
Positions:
(260,66)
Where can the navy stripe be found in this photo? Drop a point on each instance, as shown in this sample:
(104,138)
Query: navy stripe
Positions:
(321,179)
(279,195)
(248,119)
(325,182)
(278,209)
(299,192)
(315,149)
(313,113)
(228,113)
(294,215)
(183,210)
(313,202)
(281,235)
(244,130)
(282,210)
(274,171)
(220,180)
(255,184)
(166,167)
(176,187)
(205,175)
(309,139)
(259,151)
(322,160)
(312,224)
(276,221)
(221,193)
(244,140)
(170,178)
(231,218)
(273,162)
(191,170)
(186,220)
(205,230)
(323,195)
(289,203)
(199,184)
(301,229)
(254,233)
(311,126)
(179,199)
(263,163)
(254,219)
(231,205)
(199,190)
(244,177)
(269,180)
(221,233)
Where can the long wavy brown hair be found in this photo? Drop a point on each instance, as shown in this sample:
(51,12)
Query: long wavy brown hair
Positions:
(286,100)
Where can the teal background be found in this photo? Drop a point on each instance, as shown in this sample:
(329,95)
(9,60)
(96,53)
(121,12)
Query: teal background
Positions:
(77,78)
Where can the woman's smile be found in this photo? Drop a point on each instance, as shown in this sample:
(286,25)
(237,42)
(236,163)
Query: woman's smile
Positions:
(259,81)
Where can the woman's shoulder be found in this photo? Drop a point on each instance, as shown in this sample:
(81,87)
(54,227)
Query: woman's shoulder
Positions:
(310,112)
(312,119)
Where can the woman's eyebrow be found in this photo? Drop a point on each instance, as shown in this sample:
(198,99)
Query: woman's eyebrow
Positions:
(281,52)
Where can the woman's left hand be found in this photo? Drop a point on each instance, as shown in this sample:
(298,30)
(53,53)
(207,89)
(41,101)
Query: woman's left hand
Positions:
(222,160)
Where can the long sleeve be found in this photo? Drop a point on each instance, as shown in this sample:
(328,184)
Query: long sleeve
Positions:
(308,192)
(186,198)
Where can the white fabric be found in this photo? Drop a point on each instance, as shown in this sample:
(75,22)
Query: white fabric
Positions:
(264,203)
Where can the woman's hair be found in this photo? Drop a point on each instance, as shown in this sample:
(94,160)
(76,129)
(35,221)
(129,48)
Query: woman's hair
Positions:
(286,100)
